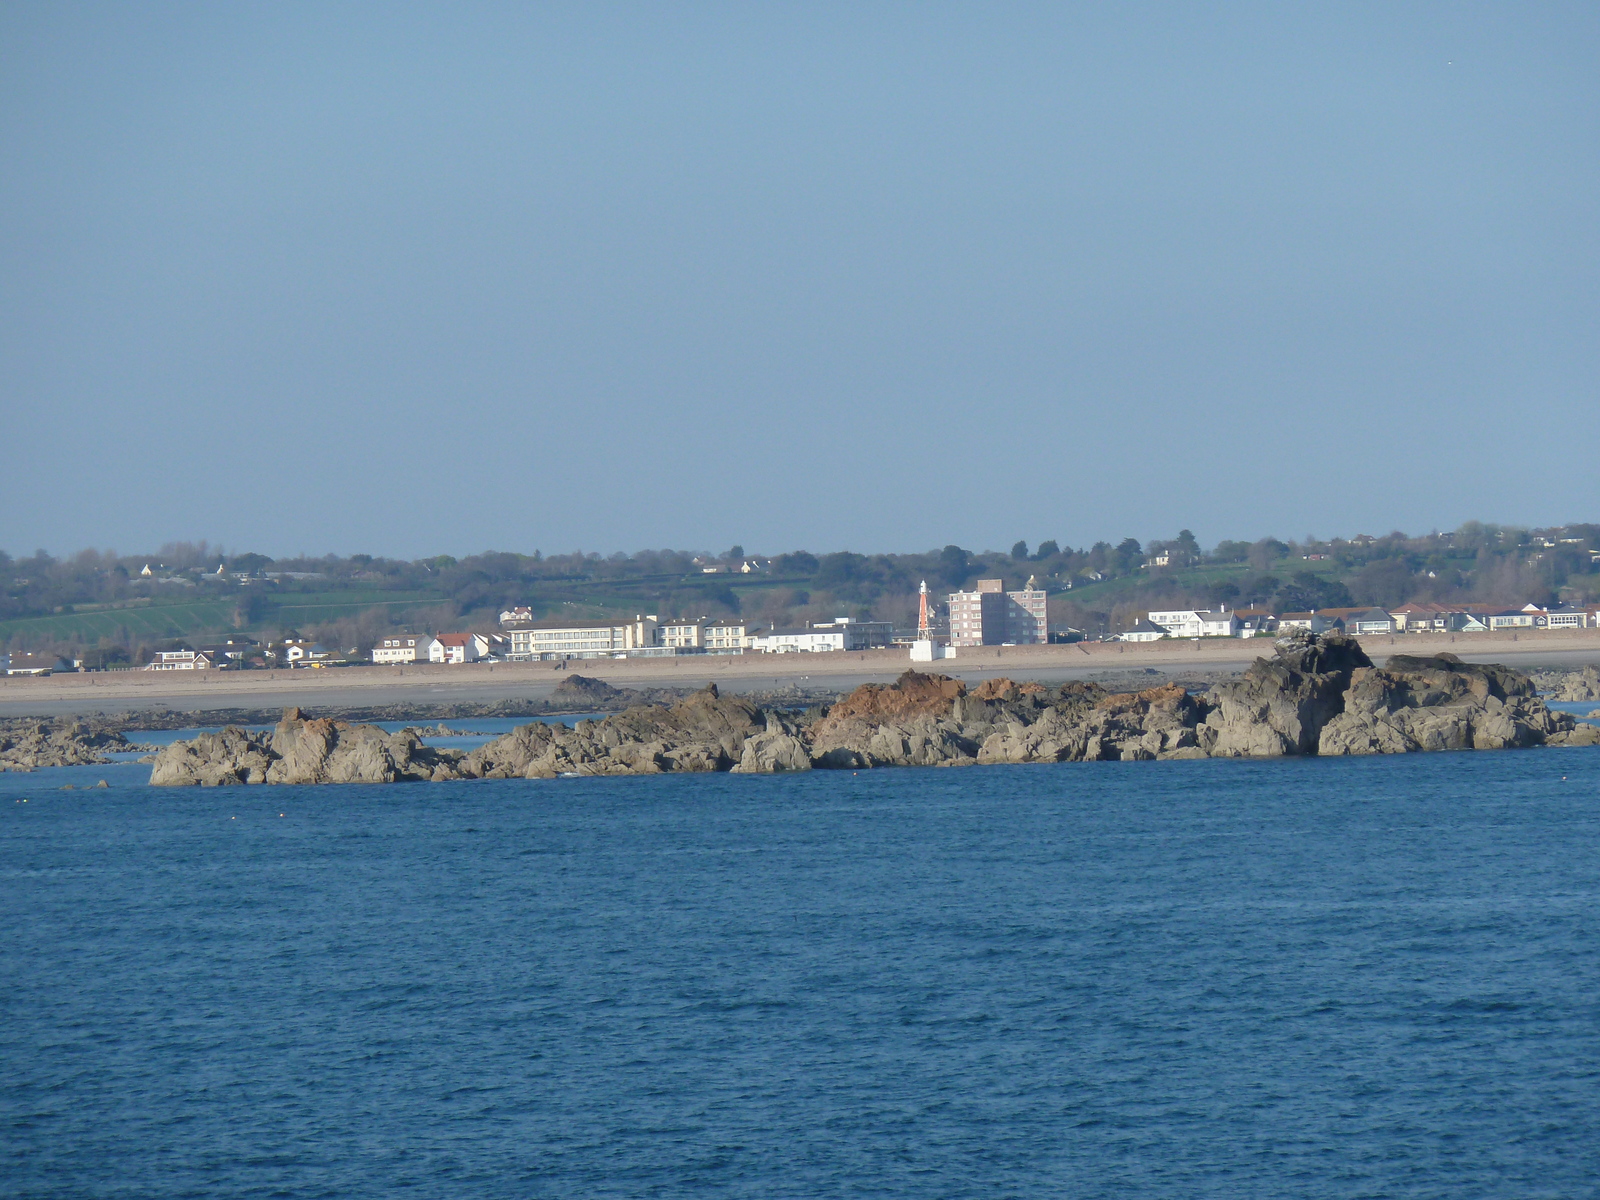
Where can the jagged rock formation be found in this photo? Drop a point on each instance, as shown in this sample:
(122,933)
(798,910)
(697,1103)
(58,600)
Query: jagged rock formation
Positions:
(28,745)
(705,732)
(1442,703)
(302,751)
(1316,695)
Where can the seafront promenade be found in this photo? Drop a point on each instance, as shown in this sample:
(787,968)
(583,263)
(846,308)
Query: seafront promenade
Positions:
(121,691)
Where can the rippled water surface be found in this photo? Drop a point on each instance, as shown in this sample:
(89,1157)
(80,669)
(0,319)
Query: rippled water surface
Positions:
(1319,978)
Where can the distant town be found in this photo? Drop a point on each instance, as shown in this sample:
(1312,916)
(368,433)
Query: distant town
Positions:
(195,607)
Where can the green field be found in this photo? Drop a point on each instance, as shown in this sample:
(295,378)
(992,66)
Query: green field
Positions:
(199,617)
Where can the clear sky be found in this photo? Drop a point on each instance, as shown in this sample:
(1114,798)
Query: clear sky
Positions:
(436,279)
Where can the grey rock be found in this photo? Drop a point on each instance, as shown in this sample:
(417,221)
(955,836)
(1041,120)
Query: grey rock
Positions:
(772,753)
(1316,695)
(29,744)
(300,751)
(1282,703)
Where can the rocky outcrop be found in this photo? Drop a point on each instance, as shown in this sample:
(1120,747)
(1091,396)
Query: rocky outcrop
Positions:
(1282,703)
(1316,695)
(30,744)
(1572,686)
(578,693)
(705,732)
(302,751)
(1442,703)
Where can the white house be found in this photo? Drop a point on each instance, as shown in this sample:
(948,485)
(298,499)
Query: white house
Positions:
(458,648)
(298,653)
(1196,622)
(1511,618)
(402,648)
(842,633)
(1253,621)
(180,660)
(1218,624)
(1314,621)
(1144,631)
(518,615)
(1372,621)
(1565,616)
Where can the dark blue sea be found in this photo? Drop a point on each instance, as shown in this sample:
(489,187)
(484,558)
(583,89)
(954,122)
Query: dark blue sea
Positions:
(1319,978)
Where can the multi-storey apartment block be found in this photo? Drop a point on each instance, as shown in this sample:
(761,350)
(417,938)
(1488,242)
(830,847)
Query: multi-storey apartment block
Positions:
(589,640)
(992,616)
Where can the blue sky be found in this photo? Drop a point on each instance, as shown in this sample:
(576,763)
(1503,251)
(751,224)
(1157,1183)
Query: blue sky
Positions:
(416,280)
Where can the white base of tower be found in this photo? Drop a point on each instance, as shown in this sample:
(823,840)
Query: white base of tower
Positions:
(926,651)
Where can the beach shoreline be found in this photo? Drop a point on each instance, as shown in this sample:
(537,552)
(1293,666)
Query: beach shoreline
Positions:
(122,691)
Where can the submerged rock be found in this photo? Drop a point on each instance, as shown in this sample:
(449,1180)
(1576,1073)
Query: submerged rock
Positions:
(1315,695)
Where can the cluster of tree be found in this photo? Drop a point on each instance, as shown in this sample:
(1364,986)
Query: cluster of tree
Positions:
(1475,562)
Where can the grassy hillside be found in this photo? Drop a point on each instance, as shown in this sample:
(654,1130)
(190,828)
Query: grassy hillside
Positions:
(152,621)
(199,618)
(1109,592)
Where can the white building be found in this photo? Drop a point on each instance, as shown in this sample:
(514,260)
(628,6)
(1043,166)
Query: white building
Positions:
(403,648)
(1366,624)
(1513,618)
(513,616)
(681,635)
(1198,622)
(1179,622)
(303,654)
(1314,621)
(842,633)
(458,648)
(1219,624)
(1144,631)
(727,637)
(582,641)
(1565,616)
(180,660)
(798,641)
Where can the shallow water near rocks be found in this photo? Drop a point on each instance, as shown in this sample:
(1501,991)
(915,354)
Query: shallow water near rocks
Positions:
(1367,977)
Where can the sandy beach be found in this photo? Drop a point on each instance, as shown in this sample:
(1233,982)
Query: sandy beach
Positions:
(122,691)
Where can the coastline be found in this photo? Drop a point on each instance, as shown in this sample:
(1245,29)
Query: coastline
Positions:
(96,692)
(1315,696)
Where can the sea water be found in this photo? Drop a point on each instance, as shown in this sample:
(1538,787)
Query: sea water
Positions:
(1369,977)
